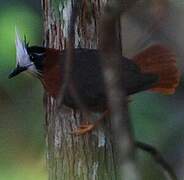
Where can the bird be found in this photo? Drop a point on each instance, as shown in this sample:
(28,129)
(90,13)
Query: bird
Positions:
(154,69)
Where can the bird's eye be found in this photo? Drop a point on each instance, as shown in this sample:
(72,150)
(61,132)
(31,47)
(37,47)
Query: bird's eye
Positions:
(31,56)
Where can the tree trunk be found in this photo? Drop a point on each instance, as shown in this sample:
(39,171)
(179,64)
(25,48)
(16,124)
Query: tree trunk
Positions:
(88,157)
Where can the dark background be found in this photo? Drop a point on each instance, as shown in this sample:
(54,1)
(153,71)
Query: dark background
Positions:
(157,119)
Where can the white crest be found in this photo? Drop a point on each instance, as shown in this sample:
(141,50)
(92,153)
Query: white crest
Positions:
(22,56)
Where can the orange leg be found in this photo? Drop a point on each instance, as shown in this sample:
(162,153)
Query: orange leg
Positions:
(88,127)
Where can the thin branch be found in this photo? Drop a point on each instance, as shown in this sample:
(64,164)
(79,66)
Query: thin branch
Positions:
(114,77)
(69,52)
(68,81)
(167,169)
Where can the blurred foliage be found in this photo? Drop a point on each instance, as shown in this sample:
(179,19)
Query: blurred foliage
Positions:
(24,19)
(21,113)
(23,170)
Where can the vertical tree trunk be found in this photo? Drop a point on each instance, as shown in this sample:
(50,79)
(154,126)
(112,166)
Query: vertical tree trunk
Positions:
(88,157)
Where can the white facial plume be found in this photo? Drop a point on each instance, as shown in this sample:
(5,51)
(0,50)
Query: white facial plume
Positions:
(23,61)
(22,56)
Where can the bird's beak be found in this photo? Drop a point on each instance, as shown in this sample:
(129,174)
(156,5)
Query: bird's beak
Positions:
(17,71)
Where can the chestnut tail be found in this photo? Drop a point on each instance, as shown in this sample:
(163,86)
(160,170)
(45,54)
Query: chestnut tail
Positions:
(160,61)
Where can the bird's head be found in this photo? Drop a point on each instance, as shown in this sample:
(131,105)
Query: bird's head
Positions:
(29,59)
(40,62)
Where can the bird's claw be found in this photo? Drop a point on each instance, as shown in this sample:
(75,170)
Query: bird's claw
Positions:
(83,129)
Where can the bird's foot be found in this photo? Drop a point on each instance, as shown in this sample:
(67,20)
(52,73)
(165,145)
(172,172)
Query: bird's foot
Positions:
(87,127)
(83,129)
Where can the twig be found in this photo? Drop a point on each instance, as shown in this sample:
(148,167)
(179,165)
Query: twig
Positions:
(117,97)
(169,173)
(68,82)
(69,52)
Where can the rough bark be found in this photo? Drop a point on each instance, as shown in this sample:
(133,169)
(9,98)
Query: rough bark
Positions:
(88,157)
